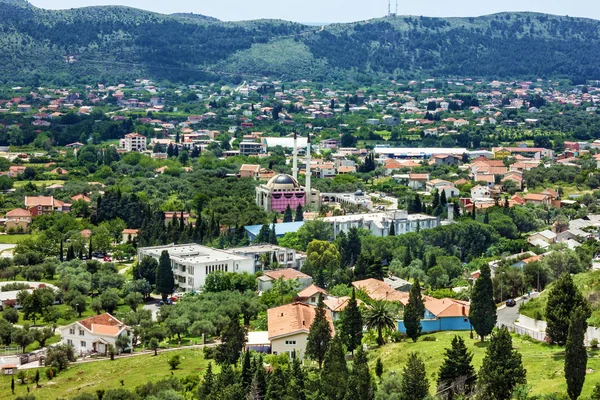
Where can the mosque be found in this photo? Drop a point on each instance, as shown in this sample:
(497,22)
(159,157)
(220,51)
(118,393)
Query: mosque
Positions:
(283,190)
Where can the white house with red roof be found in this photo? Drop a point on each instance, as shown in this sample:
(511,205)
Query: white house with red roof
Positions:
(94,334)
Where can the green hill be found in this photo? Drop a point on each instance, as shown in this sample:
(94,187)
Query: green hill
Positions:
(114,43)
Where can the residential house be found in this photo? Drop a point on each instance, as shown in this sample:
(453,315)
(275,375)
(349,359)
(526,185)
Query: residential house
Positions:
(538,199)
(446,159)
(443,315)
(95,334)
(417,181)
(129,235)
(542,239)
(133,142)
(170,215)
(265,282)
(378,290)
(436,184)
(288,328)
(480,192)
(38,205)
(16,170)
(18,220)
(81,197)
(249,171)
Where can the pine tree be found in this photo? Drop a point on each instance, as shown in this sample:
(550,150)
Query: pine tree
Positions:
(575,353)
(319,335)
(502,369)
(207,386)
(456,373)
(276,388)
(483,308)
(299,213)
(562,300)
(263,235)
(414,311)
(334,375)
(247,374)
(352,324)
(165,281)
(415,385)
(360,382)
(287,215)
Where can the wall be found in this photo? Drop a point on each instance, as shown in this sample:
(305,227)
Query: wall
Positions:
(540,326)
(441,324)
(278,345)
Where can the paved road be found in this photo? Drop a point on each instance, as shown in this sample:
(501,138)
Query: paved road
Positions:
(508,315)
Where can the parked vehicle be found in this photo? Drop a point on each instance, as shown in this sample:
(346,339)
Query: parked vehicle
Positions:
(511,303)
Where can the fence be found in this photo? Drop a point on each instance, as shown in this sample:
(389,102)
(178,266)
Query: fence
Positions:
(535,335)
(9,350)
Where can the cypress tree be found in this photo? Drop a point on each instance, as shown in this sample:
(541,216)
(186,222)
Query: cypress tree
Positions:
(263,235)
(415,385)
(206,388)
(443,199)
(392,229)
(165,281)
(360,382)
(379,368)
(62,252)
(456,373)
(562,300)
(246,370)
(352,324)
(90,249)
(502,368)
(297,388)
(261,378)
(276,388)
(70,253)
(287,215)
(334,375)
(482,313)
(414,311)
(319,335)
(486,218)
(575,353)
(354,245)
(272,234)
(299,213)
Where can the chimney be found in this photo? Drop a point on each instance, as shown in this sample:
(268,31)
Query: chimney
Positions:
(308,195)
(450,211)
(295,157)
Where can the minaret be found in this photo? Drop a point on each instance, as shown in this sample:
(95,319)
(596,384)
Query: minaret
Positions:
(295,155)
(308,174)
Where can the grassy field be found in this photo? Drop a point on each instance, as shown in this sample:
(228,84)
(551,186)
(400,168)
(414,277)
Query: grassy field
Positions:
(544,363)
(38,183)
(89,377)
(12,239)
(587,282)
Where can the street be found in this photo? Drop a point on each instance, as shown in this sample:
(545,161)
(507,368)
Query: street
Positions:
(508,315)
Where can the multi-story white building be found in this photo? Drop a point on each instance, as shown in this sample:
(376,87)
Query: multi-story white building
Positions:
(133,142)
(380,223)
(268,253)
(192,263)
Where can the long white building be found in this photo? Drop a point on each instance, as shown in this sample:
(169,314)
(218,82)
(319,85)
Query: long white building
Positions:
(192,263)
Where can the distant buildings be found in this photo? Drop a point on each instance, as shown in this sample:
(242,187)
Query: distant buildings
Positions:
(133,142)
(283,190)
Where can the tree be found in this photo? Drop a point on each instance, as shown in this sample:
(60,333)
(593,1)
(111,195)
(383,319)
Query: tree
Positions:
(233,339)
(174,361)
(299,213)
(414,379)
(483,309)
(288,216)
(43,334)
(165,281)
(322,263)
(502,369)
(334,375)
(380,317)
(263,234)
(456,373)
(37,378)
(575,353)
(319,335)
(110,300)
(414,311)
(154,345)
(23,337)
(360,382)
(11,315)
(272,233)
(276,388)
(146,269)
(123,342)
(352,324)
(563,298)
(379,368)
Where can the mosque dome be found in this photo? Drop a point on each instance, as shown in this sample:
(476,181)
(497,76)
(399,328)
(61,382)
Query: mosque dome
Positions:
(283,182)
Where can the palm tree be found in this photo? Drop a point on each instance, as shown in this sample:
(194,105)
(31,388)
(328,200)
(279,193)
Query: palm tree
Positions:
(380,317)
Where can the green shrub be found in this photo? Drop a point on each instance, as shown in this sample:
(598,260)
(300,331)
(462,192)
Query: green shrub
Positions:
(594,343)
(428,339)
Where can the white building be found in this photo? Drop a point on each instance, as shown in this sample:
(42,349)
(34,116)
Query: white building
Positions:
(285,258)
(94,334)
(192,263)
(265,282)
(480,192)
(380,223)
(133,142)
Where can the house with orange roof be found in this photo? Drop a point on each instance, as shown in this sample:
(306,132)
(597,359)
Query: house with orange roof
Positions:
(265,282)
(18,220)
(289,325)
(379,290)
(81,197)
(38,205)
(95,334)
(537,199)
(443,315)
(129,234)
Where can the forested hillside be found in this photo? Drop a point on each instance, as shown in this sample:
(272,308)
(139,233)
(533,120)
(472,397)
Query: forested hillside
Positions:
(112,43)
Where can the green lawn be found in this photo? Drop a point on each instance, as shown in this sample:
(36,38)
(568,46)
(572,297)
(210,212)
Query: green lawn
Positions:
(38,183)
(544,363)
(13,239)
(107,374)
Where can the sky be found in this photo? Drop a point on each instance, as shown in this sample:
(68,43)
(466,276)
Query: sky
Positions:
(339,10)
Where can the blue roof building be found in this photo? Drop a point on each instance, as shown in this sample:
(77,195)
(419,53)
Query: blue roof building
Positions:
(280,229)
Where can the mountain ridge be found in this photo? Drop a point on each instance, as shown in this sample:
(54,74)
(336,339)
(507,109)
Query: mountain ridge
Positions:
(111,43)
